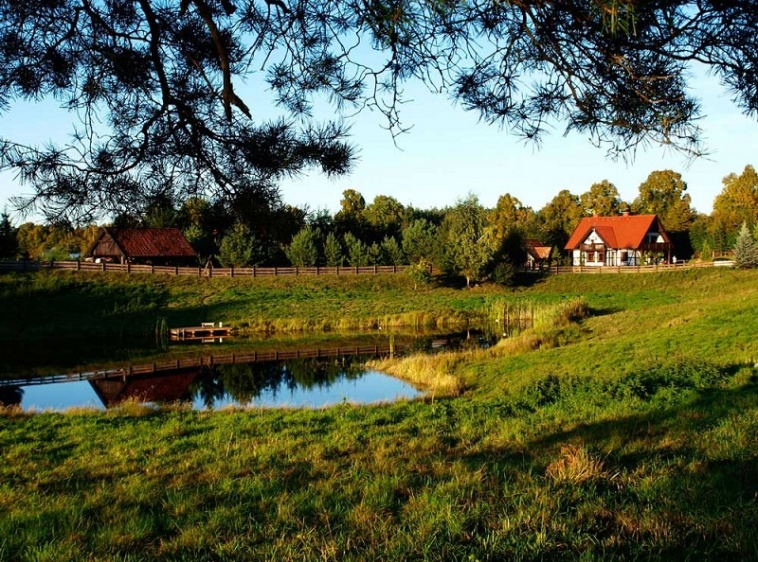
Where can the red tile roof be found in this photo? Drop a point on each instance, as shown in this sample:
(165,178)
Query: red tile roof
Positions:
(625,231)
(150,242)
(537,249)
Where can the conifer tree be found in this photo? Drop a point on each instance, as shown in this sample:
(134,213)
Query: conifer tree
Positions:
(303,251)
(237,247)
(333,251)
(745,250)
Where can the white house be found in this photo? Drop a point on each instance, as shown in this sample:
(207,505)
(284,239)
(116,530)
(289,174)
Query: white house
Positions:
(618,241)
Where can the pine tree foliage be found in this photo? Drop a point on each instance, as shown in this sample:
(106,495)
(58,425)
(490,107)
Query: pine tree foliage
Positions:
(237,247)
(333,251)
(8,244)
(303,251)
(356,250)
(745,250)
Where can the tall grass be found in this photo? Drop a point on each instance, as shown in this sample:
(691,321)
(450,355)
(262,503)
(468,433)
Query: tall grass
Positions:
(440,373)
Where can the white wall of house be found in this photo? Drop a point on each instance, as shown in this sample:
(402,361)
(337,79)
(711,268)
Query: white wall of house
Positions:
(612,256)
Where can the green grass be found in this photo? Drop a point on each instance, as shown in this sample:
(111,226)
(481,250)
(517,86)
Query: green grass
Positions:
(629,434)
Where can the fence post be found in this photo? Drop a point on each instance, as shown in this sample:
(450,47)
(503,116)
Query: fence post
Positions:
(254,271)
(276,271)
(231,271)
(78,265)
(176,270)
(128,267)
(102,263)
(297,271)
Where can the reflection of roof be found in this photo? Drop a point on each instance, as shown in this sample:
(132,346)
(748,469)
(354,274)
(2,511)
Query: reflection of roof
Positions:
(153,388)
(142,243)
(625,231)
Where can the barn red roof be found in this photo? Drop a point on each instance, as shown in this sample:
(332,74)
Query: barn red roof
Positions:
(169,387)
(625,231)
(537,249)
(149,242)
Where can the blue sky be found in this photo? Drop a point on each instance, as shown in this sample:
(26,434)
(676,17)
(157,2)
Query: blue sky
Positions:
(449,154)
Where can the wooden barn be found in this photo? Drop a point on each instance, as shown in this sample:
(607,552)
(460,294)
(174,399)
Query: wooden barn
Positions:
(157,246)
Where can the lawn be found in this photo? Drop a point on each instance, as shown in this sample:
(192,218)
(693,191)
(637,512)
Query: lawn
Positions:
(627,432)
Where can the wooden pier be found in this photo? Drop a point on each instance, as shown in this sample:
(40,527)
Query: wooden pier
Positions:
(206,330)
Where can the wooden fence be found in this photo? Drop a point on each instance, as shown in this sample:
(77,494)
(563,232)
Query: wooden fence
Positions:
(563,269)
(306,271)
(199,271)
(197,362)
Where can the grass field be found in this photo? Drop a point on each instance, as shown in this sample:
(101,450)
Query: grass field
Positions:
(625,429)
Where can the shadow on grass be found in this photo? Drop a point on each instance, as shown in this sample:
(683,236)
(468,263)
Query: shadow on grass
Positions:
(679,482)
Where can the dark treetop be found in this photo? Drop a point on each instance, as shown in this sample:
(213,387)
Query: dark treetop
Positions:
(153,85)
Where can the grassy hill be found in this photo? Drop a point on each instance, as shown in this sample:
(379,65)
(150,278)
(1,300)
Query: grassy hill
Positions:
(628,433)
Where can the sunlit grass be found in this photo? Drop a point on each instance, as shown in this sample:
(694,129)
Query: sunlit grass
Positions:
(628,431)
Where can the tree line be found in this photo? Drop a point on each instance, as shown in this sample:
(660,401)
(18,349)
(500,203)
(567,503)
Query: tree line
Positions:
(465,239)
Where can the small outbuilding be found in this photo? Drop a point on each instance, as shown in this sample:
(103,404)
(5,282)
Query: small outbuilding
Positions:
(157,246)
(537,254)
(618,241)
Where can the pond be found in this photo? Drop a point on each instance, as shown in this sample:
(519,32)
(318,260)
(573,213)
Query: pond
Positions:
(274,374)
(274,385)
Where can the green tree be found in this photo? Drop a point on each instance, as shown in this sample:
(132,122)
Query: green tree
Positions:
(559,218)
(419,274)
(509,214)
(420,241)
(333,251)
(392,253)
(155,83)
(470,244)
(508,258)
(700,233)
(602,199)
(745,249)
(303,251)
(31,239)
(237,247)
(375,254)
(350,216)
(385,216)
(160,212)
(8,243)
(357,252)
(663,194)
(738,201)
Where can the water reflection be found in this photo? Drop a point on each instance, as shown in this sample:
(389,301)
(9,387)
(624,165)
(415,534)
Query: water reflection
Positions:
(248,382)
(295,383)
(278,374)
(11,395)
